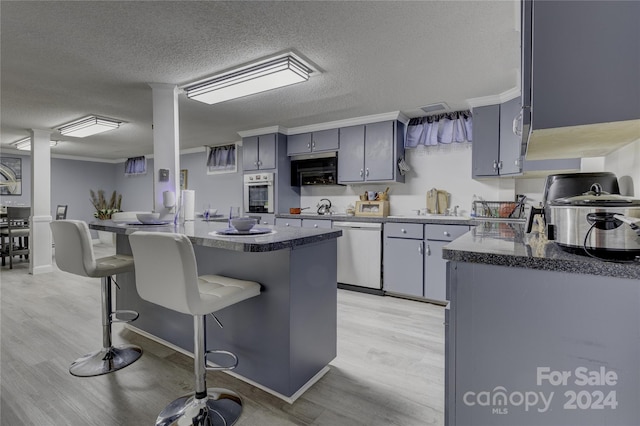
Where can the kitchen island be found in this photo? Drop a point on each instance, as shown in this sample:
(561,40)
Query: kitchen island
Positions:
(538,336)
(284,338)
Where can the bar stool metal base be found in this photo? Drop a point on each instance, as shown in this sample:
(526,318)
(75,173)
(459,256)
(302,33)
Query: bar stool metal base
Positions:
(106,360)
(219,407)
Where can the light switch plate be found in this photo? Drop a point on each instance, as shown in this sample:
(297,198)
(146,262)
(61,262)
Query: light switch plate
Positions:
(163,175)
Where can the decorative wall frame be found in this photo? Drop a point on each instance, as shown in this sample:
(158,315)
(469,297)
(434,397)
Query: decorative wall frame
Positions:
(10,176)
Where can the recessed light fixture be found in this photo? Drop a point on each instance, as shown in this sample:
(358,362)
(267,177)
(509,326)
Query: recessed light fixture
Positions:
(88,126)
(25,144)
(249,80)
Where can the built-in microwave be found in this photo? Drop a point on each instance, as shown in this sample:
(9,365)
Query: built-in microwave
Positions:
(315,169)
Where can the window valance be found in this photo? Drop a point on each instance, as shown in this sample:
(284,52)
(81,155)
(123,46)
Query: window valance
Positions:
(135,166)
(222,159)
(439,129)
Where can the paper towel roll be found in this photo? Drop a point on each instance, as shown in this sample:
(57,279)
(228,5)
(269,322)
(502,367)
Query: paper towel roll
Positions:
(168,199)
(188,204)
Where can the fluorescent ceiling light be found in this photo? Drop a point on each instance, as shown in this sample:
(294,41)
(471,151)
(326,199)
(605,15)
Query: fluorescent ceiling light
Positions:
(249,80)
(25,144)
(88,126)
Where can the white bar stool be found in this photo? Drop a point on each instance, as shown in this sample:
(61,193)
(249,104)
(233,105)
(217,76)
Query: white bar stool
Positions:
(74,254)
(166,275)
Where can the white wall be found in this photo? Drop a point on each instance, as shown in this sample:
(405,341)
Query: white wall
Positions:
(625,163)
(446,167)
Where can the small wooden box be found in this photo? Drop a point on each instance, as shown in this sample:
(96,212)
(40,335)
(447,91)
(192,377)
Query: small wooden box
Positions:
(372,208)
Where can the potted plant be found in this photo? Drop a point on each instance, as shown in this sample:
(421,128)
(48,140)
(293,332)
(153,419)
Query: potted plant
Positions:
(105,209)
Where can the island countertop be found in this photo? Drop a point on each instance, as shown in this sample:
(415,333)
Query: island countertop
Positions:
(203,233)
(506,244)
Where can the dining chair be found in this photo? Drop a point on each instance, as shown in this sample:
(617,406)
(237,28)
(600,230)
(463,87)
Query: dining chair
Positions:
(61,212)
(15,236)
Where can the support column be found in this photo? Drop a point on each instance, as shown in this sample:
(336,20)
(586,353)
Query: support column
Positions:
(166,144)
(40,257)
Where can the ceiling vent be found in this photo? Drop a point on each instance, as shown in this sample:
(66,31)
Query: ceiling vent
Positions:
(431,108)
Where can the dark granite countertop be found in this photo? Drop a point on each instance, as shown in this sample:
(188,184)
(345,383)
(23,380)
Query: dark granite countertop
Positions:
(506,244)
(203,233)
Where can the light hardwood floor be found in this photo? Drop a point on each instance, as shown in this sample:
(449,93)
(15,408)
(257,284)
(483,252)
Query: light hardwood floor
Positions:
(389,369)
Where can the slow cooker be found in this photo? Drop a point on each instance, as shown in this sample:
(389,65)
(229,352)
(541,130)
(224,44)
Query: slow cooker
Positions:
(597,223)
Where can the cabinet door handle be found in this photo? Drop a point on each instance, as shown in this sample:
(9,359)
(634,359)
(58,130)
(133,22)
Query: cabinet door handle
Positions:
(315,226)
(499,165)
(313,144)
(420,249)
(259,163)
(367,173)
(286,224)
(428,250)
(361,173)
(404,231)
(446,234)
(255,163)
(517,124)
(308,145)
(495,165)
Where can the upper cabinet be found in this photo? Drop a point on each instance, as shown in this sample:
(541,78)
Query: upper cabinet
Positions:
(580,62)
(496,146)
(370,153)
(306,143)
(259,152)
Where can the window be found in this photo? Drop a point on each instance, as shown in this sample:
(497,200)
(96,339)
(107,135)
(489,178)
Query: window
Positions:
(135,166)
(222,159)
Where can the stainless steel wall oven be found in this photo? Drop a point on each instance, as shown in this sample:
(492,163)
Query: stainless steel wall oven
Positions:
(258,193)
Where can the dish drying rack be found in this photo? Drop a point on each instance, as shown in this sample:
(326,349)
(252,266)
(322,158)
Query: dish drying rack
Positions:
(499,209)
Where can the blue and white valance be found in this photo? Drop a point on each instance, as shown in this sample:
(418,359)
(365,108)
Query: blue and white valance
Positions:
(222,159)
(135,166)
(439,129)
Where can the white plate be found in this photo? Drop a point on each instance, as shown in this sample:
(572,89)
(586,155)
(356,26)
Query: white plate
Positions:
(235,233)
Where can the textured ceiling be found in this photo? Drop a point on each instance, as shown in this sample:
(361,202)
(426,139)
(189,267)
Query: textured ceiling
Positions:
(63,60)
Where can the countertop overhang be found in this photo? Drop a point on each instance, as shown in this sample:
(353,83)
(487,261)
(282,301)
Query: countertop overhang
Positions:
(506,244)
(202,233)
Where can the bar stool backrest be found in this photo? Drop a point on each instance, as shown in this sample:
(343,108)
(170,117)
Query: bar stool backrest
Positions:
(166,272)
(74,249)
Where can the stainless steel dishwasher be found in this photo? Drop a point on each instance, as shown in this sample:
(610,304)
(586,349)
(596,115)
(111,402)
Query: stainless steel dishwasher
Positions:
(359,254)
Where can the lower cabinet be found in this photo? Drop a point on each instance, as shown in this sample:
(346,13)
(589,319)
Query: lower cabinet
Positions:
(303,223)
(412,258)
(294,223)
(403,259)
(316,223)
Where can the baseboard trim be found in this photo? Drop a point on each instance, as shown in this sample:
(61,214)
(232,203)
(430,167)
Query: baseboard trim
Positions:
(376,291)
(289,399)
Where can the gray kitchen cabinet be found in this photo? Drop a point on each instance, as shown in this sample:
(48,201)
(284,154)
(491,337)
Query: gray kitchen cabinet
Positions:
(496,148)
(259,152)
(305,143)
(403,259)
(316,223)
(370,152)
(435,267)
(585,62)
(412,259)
(293,223)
